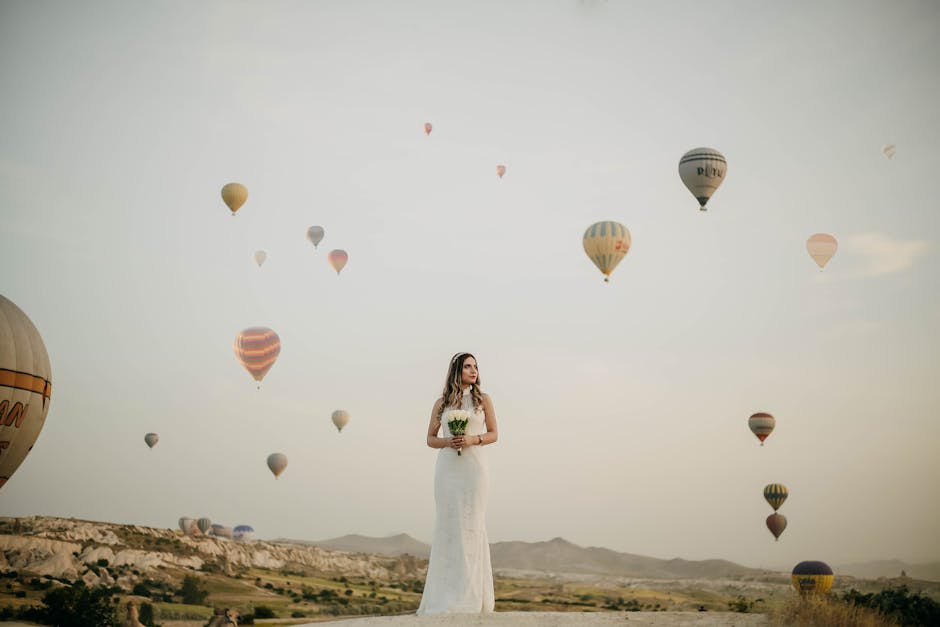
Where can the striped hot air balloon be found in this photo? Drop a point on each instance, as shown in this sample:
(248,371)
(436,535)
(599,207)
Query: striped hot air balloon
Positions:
(204,524)
(821,247)
(702,170)
(812,577)
(776,523)
(606,243)
(762,424)
(775,494)
(25,387)
(257,348)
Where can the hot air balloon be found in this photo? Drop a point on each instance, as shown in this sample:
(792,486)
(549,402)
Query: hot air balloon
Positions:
(776,523)
(606,243)
(702,170)
(500,170)
(204,525)
(775,494)
(315,235)
(340,418)
(151,439)
(761,424)
(821,248)
(888,150)
(234,195)
(260,257)
(243,533)
(812,578)
(338,259)
(221,531)
(277,462)
(25,387)
(187,525)
(257,348)
(427,128)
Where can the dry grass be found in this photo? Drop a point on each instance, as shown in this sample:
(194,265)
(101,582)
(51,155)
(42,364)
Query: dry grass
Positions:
(825,611)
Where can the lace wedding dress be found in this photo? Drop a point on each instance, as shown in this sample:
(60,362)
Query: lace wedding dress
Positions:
(460,575)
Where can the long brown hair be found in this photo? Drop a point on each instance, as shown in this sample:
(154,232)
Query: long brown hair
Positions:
(452,396)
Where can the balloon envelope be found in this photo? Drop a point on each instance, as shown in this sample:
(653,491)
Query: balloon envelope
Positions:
(500,170)
(888,150)
(702,170)
(234,195)
(277,462)
(340,418)
(812,577)
(606,244)
(821,247)
(776,523)
(25,387)
(260,257)
(204,525)
(315,235)
(151,439)
(187,525)
(243,533)
(427,128)
(762,424)
(257,348)
(775,494)
(338,259)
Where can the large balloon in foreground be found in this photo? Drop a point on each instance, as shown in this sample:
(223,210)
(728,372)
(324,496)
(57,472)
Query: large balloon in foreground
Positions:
(606,244)
(702,170)
(315,235)
(277,462)
(812,577)
(204,525)
(25,387)
(500,170)
(775,494)
(260,257)
(151,439)
(776,523)
(427,128)
(257,348)
(762,424)
(821,247)
(340,418)
(888,150)
(338,259)
(234,195)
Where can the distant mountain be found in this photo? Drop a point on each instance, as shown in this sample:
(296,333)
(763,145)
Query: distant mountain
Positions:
(391,545)
(890,568)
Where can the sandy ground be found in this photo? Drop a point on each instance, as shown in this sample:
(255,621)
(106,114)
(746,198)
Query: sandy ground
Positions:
(557,619)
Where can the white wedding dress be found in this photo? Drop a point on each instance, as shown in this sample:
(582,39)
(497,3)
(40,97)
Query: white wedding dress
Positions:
(460,575)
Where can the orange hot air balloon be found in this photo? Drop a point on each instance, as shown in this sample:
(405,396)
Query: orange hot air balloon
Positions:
(500,170)
(257,348)
(427,128)
(234,195)
(821,247)
(338,259)
(776,523)
(762,424)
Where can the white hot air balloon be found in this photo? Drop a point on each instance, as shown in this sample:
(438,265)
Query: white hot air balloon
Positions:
(277,462)
(151,439)
(888,150)
(315,235)
(25,387)
(340,418)
(702,170)
(187,525)
(260,257)
(821,247)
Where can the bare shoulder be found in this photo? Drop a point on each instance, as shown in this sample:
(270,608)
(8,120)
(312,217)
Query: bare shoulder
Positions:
(437,405)
(487,400)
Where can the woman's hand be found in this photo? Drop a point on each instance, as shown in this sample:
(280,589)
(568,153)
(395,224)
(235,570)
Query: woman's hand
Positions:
(460,441)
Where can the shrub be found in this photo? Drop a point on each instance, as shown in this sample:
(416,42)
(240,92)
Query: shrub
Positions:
(898,604)
(263,611)
(102,562)
(79,606)
(141,590)
(741,604)
(192,591)
(298,614)
(146,615)
(822,610)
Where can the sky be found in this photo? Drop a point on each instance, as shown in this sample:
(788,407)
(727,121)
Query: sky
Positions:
(622,408)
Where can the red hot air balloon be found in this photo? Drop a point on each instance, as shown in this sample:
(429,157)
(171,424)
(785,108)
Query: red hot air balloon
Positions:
(500,170)
(338,259)
(257,348)
(427,128)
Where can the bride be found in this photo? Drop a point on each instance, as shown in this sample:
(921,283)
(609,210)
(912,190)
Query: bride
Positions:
(460,576)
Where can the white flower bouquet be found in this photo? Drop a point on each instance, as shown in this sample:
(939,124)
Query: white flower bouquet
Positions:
(457,423)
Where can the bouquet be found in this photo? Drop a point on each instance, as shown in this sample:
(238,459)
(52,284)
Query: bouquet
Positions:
(457,423)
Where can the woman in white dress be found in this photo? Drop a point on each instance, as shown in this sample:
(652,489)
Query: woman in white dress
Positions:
(460,575)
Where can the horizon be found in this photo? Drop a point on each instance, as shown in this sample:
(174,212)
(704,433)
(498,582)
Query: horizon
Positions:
(622,406)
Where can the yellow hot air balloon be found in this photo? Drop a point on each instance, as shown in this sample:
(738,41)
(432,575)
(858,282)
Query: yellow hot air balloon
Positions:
(775,494)
(821,247)
(277,462)
(25,387)
(812,577)
(234,195)
(340,418)
(606,243)
(702,170)
(338,259)
(500,170)
(257,348)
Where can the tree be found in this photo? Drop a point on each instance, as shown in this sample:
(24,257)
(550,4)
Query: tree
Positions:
(192,591)
(146,615)
(79,606)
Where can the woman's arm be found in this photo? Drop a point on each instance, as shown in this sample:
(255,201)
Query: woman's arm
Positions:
(435,426)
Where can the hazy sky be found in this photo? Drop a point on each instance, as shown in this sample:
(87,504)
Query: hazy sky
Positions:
(622,407)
